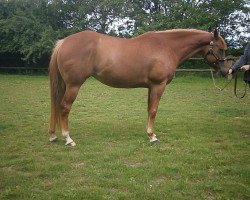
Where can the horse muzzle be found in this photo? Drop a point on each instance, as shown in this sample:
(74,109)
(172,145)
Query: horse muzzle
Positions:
(224,71)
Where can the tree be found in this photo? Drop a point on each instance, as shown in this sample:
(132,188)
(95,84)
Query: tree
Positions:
(236,28)
(23,33)
(200,14)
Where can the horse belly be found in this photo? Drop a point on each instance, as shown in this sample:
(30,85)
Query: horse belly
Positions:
(122,77)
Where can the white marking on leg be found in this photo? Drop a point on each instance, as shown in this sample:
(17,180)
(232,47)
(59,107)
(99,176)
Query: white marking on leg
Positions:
(68,139)
(52,138)
(153,138)
(149,130)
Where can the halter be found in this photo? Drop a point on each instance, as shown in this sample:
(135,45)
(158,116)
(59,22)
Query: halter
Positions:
(218,60)
(211,52)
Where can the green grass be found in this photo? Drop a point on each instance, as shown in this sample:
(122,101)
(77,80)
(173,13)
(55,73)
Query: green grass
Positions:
(203,151)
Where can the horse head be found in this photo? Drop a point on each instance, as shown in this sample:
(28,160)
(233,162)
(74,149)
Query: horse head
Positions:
(215,54)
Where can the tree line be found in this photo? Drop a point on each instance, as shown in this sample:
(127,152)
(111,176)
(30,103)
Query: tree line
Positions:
(29,28)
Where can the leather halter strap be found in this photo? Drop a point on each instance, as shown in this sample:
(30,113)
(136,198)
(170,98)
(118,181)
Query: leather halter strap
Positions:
(211,52)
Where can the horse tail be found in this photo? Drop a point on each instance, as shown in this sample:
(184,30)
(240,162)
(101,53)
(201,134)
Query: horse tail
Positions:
(57,89)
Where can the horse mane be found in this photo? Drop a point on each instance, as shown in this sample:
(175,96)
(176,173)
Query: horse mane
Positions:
(191,31)
(180,30)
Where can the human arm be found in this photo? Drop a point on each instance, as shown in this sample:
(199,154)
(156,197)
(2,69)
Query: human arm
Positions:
(242,61)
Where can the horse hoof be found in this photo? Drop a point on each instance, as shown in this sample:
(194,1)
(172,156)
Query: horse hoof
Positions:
(72,143)
(154,141)
(53,138)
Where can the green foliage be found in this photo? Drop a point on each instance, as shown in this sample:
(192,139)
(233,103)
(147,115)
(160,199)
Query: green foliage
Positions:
(162,15)
(28,37)
(23,32)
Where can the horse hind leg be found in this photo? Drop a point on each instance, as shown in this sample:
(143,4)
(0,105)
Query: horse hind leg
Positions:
(66,104)
(52,135)
(52,126)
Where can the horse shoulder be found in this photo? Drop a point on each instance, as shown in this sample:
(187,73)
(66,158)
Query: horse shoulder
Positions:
(161,71)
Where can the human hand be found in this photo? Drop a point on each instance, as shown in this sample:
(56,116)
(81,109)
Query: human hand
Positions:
(245,67)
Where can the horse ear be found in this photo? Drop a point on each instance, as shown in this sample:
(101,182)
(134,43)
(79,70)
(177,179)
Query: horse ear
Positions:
(216,34)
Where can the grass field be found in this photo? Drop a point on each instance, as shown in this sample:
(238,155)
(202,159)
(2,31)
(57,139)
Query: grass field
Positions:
(203,151)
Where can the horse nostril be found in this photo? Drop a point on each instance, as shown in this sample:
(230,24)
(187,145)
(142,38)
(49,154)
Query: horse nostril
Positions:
(224,71)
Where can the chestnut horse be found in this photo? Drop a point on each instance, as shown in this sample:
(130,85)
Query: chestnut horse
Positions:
(149,60)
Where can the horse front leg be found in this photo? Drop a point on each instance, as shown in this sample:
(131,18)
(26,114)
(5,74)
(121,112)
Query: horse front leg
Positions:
(154,95)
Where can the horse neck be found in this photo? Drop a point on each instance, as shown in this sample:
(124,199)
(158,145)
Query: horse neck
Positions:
(187,43)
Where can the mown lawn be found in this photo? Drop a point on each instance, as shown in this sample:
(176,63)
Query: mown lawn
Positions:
(203,151)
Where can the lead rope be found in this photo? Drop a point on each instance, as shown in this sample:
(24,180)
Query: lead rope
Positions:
(221,89)
(235,84)
(235,87)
